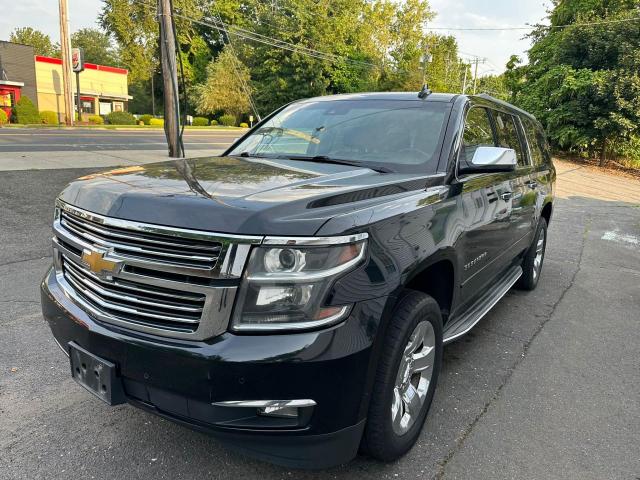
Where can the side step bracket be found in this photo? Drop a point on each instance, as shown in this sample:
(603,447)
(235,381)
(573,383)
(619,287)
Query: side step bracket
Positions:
(456,327)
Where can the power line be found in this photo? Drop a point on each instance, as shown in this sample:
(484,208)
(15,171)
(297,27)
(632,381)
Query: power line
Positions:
(243,84)
(272,41)
(257,37)
(531,27)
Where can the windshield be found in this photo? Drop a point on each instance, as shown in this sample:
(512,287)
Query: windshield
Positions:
(401,136)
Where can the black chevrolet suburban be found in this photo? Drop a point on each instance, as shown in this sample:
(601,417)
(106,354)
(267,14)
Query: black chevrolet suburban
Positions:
(293,295)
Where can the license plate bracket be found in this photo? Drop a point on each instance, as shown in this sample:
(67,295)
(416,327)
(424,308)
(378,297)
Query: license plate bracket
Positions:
(96,375)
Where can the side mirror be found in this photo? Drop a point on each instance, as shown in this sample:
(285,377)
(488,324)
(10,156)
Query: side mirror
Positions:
(491,160)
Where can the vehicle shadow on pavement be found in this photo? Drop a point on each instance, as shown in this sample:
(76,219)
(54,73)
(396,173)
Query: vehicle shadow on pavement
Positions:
(497,383)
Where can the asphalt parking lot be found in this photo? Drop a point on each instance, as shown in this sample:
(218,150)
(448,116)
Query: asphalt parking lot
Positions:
(547,386)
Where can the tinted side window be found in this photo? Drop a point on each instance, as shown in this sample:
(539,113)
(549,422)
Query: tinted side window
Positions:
(508,135)
(477,133)
(535,141)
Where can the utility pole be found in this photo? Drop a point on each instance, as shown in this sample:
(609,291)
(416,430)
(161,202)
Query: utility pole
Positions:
(170,79)
(464,81)
(477,60)
(153,94)
(65,49)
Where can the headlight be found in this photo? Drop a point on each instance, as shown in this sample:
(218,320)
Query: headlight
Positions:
(285,285)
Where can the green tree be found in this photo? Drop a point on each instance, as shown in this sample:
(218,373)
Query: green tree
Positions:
(313,47)
(134,26)
(583,82)
(222,90)
(494,85)
(514,77)
(97,46)
(41,42)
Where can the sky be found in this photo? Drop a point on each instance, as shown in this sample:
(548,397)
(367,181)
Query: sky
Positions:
(496,47)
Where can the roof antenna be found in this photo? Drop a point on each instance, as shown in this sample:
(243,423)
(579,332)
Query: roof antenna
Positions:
(425,92)
(426,59)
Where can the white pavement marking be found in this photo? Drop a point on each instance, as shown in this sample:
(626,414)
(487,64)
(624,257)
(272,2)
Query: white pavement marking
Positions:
(614,236)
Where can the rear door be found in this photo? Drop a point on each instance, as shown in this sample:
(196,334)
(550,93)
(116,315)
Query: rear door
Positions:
(541,177)
(523,198)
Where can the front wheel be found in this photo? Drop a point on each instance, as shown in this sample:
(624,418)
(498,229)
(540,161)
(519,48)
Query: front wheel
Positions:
(406,378)
(534,258)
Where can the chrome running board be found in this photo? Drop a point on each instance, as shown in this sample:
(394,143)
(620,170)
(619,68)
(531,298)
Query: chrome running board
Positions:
(456,327)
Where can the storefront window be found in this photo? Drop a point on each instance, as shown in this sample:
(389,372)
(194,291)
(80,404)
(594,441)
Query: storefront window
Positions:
(6,100)
(87,106)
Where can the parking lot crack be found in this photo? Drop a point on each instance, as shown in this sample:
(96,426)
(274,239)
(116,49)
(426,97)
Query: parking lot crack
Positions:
(459,442)
(13,262)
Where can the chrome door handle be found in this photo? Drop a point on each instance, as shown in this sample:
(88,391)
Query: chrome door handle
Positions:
(506,196)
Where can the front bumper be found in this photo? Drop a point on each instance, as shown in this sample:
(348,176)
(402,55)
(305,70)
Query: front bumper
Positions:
(182,380)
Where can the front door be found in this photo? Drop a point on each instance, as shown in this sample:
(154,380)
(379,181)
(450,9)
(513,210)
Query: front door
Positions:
(486,210)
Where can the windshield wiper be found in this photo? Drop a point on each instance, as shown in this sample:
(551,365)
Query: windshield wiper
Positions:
(339,161)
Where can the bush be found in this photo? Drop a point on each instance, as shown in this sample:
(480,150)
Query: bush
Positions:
(26,112)
(156,121)
(228,120)
(95,120)
(121,118)
(48,117)
(146,118)
(3,117)
(200,122)
(213,123)
(244,125)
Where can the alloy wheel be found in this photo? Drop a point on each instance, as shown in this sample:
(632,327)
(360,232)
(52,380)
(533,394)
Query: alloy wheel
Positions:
(413,378)
(537,262)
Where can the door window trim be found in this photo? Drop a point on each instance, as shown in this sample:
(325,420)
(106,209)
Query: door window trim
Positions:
(489,114)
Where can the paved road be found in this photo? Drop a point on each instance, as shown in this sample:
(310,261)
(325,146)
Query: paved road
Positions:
(546,387)
(53,140)
(22,149)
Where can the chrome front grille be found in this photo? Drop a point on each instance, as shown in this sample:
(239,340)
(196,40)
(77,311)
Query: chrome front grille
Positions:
(131,302)
(166,281)
(200,254)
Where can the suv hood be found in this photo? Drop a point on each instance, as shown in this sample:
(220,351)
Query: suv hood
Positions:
(237,195)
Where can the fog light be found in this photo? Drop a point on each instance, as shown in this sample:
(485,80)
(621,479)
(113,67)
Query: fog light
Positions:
(279,411)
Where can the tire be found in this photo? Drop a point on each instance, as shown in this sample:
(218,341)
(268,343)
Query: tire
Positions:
(416,314)
(534,258)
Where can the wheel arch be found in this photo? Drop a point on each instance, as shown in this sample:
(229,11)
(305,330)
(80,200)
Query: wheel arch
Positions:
(437,278)
(547,211)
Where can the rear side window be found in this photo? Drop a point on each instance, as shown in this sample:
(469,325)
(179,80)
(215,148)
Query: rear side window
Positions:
(536,141)
(477,133)
(508,136)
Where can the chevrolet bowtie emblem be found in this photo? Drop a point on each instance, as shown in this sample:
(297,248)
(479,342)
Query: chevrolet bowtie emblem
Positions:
(102,267)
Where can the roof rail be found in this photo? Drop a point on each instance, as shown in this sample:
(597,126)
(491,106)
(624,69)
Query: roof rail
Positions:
(486,96)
